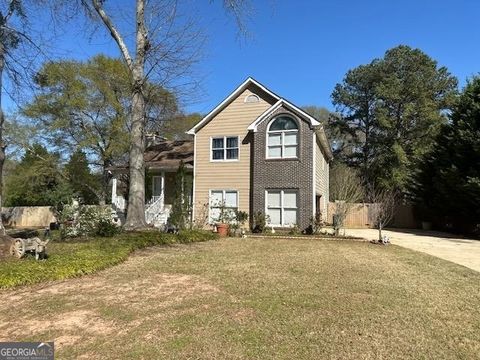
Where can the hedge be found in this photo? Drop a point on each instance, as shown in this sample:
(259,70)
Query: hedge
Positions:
(85,256)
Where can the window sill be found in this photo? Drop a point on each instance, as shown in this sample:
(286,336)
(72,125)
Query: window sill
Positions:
(282,159)
(225,161)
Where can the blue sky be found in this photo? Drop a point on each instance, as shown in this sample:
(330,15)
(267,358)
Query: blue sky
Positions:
(301,49)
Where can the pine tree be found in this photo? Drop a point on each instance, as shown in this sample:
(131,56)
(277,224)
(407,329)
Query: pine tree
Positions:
(85,185)
(447,187)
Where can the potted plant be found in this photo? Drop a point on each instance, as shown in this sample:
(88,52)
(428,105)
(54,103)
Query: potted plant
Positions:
(224,219)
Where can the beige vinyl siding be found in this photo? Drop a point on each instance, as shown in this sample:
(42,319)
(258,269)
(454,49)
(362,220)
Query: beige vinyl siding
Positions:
(322,179)
(233,120)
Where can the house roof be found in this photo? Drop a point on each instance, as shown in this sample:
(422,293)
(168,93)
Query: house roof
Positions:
(282,102)
(165,155)
(314,123)
(169,154)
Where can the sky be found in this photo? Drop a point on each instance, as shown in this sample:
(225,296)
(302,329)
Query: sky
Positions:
(301,49)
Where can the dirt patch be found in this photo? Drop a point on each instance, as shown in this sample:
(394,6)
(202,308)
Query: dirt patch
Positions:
(114,301)
(72,323)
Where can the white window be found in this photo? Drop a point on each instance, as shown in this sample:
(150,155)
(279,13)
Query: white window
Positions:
(225,201)
(282,138)
(224,148)
(282,207)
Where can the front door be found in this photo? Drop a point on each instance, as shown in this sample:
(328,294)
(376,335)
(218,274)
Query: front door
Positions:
(157,187)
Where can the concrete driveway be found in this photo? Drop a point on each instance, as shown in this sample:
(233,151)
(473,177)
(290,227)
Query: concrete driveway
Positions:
(462,251)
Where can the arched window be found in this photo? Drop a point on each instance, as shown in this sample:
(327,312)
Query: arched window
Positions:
(252,98)
(282,138)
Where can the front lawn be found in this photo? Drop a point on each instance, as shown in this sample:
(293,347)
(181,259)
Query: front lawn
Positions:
(257,299)
(76,257)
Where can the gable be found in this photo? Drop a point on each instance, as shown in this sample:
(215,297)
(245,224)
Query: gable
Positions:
(239,93)
(283,104)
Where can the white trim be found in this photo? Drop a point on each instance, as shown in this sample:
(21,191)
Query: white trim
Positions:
(114,190)
(224,148)
(282,208)
(194,175)
(282,102)
(282,141)
(314,145)
(227,100)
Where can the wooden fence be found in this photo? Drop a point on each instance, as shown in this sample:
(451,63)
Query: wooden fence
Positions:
(360,216)
(27,216)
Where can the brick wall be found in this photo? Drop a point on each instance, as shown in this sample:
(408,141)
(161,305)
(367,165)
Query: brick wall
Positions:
(283,173)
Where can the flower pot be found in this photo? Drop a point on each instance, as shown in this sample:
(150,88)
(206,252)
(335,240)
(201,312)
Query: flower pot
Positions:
(222,230)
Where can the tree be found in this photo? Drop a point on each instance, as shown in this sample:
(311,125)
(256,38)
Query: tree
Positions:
(175,128)
(18,51)
(84,184)
(161,50)
(345,190)
(447,186)
(340,140)
(37,180)
(181,202)
(355,99)
(414,95)
(382,208)
(394,108)
(86,105)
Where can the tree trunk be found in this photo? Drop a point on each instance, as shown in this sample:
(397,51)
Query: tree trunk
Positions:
(2,144)
(379,232)
(136,197)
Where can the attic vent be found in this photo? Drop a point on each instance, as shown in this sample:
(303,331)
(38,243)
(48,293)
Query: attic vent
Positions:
(252,98)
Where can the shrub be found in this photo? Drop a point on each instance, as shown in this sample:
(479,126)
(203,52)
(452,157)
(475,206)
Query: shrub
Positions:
(238,221)
(107,228)
(259,222)
(316,224)
(294,230)
(189,236)
(83,220)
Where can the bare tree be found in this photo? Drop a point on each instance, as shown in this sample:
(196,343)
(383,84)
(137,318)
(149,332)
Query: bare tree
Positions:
(162,50)
(20,51)
(382,209)
(346,190)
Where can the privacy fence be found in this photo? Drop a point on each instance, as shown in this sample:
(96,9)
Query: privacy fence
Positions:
(360,216)
(27,216)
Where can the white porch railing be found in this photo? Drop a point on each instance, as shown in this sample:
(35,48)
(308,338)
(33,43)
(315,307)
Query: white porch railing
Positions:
(153,208)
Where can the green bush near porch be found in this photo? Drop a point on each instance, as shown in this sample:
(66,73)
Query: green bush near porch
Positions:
(87,255)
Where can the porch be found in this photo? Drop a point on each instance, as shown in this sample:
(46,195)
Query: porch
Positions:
(162,161)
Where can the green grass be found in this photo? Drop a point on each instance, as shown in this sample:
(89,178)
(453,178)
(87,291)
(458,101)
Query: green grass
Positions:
(84,256)
(257,299)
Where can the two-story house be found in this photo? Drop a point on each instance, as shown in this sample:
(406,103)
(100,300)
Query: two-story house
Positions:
(257,152)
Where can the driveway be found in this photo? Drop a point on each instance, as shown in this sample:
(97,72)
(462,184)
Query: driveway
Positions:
(459,250)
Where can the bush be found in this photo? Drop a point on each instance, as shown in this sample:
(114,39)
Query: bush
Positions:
(107,228)
(259,222)
(83,220)
(87,255)
(189,236)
